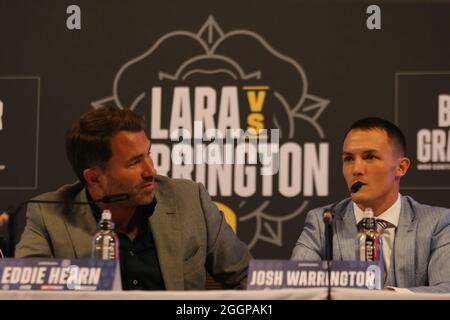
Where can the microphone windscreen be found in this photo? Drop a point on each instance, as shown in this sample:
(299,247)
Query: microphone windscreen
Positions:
(356,186)
(4,218)
(327,216)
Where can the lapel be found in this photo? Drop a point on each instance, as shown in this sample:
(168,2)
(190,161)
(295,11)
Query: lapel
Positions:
(345,230)
(166,230)
(81,226)
(402,271)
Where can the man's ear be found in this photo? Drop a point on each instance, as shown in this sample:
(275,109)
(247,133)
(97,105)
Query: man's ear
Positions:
(93,177)
(402,166)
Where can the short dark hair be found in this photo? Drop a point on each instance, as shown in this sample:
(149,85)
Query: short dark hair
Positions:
(394,133)
(88,142)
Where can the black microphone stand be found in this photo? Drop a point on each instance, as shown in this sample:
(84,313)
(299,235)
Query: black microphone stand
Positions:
(12,232)
(328,217)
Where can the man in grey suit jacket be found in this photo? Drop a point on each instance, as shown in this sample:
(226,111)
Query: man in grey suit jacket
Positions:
(417,248)
(170,232)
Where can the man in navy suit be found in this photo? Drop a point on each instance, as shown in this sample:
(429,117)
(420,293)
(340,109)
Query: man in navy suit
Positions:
(416,246)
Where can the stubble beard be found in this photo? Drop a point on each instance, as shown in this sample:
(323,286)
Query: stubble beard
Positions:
(141,198)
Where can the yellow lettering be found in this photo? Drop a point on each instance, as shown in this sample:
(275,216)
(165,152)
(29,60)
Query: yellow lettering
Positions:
(256,122)
(256,100)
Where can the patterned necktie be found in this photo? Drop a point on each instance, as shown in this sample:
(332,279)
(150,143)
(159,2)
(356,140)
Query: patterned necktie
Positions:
(383,225)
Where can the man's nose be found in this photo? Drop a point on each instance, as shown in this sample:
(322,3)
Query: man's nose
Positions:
(149,168)
(358,167)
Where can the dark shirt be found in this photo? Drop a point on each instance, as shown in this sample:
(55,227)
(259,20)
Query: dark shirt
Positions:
(139,265)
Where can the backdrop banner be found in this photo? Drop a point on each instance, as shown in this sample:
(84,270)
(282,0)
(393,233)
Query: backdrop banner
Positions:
(290,75)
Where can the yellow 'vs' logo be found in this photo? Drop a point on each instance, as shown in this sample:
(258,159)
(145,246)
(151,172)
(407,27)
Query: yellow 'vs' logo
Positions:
(256,95)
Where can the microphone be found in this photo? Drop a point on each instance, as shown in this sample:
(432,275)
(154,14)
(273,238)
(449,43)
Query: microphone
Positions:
(356,186)
(328,216)
(7,217)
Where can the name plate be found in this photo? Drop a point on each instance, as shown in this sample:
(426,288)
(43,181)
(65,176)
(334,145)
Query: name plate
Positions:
(59,274)
(277,274)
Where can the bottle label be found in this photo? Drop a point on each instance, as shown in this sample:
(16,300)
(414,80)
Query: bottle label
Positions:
(105,247)
(371,248)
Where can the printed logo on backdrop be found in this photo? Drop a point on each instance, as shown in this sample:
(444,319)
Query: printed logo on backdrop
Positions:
(427,129)
(230,111)
(19,129)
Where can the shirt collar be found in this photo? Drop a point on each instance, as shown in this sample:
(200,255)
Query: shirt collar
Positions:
(391,215)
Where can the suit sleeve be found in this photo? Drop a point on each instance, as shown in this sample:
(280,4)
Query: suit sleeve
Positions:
(227,257)
(309,246)
(439,263)
(34,241)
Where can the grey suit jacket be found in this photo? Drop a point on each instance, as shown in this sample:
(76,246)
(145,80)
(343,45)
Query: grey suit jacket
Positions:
(191,235)
(421,254)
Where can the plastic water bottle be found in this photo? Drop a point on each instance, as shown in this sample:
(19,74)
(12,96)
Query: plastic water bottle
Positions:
(368,239)
(105,244)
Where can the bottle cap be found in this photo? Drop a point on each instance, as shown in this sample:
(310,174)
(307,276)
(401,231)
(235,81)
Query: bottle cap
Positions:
(106,215)
(368,213)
